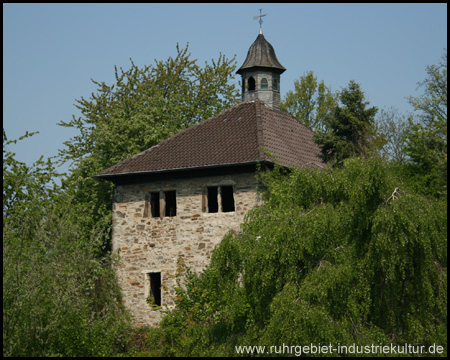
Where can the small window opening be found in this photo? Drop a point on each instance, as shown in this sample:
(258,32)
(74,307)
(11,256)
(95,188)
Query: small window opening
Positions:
(155,288)
(251,83)
(264,84)
(213,205)
(275,85)
(171,203)
(227,198)
(154,204)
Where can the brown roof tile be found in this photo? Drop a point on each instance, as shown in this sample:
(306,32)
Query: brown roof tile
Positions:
(234,136)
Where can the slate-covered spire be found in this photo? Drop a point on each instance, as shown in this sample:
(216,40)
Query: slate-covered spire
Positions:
(261,55)
(261,74)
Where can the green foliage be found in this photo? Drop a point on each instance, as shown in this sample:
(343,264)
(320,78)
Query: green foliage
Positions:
(310,102)
(148,105)
(60,294)
(152,304)
(23,186)
(433,103)
(349,129)
(59,297)
(345,255)
(426,143)
(143,107)
(391,130)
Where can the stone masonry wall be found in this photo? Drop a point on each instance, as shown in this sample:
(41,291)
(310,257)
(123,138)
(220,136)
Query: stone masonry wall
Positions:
(154,245)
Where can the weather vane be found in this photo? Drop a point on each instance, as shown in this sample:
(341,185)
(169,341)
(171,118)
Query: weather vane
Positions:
(260,20)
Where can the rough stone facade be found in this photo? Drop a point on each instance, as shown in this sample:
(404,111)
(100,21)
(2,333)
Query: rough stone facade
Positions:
(153,245)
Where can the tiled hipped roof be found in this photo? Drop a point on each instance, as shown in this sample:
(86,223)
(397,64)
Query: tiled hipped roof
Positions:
(234,136)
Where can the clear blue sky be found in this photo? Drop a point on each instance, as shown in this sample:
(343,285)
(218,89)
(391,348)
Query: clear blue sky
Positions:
(51,51)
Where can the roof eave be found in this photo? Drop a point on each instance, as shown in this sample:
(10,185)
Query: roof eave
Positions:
(110,177)
(263,68)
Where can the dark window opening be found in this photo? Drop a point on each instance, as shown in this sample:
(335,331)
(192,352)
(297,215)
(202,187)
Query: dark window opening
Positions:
(213,205)
(155,287)
(275,85)
(154,203)
(171,203)
(227,198)
(264,84)
(251,84)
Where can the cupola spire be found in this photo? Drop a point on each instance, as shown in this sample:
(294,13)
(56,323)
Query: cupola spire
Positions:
(261,72)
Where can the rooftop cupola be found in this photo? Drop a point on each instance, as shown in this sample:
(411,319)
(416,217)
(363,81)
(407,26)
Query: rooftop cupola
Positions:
(261,74)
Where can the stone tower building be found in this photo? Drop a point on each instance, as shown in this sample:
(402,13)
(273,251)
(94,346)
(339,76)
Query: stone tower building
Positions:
(178,199)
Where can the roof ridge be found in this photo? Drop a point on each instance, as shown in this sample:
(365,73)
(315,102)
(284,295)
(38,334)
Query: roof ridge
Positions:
(259,128)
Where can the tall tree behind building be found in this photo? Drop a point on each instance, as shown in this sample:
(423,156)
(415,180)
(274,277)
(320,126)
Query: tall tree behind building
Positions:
(310,102)
(427,138)
(143,107)
(349,128)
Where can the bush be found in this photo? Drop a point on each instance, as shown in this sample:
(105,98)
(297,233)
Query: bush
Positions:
(338,256)
(60,297)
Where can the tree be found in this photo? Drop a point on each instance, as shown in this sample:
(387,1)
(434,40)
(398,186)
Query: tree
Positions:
(349,128)
(60,298)
(427,138)
(433,103)
(146,105)
(143,107)
(345,256)
(390,135)
(310,102)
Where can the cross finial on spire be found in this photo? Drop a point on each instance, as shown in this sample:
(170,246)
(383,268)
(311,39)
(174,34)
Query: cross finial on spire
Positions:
(260,20)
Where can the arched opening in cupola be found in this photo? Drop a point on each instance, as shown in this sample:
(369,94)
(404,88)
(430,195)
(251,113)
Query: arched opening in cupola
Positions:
(251,84)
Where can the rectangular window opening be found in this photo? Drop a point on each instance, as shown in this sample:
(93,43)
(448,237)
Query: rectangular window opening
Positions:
(155,287)
(227,198)
(171,203)
(155,204)
(213,205)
